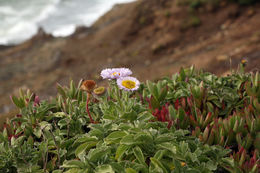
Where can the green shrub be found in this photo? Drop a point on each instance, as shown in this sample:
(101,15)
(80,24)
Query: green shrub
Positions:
(195,4)
(192,21)
(124,136)
(218,110)
(244,2)
(169,126)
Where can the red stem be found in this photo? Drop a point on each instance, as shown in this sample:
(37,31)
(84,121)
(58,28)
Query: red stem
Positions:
(88,99)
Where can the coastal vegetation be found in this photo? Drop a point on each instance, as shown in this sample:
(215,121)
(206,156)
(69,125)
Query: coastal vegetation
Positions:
(153,37)
(193,121)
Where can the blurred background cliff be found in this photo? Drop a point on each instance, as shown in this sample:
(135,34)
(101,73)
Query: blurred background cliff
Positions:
(45,42)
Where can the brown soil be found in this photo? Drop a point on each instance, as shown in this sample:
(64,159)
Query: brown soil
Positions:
(152,37)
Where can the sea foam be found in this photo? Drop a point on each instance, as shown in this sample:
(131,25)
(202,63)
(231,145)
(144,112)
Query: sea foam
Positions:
(20,20)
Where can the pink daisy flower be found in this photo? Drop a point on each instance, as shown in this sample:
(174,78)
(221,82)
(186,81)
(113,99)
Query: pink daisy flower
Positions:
(115,73)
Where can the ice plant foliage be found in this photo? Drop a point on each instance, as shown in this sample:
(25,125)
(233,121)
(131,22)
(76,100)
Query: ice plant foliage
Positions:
(128,83)
(115,73)
(228,117)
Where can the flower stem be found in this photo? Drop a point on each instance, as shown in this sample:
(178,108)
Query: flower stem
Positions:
(87,109)
(118,97)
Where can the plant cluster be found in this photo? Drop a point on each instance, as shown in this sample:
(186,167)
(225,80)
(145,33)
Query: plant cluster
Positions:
(221,111)
(179,124)
(195,4)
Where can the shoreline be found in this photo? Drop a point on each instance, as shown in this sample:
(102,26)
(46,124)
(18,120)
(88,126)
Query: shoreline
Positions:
(62,35)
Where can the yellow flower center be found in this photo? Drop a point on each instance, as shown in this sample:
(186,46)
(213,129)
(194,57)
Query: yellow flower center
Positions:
(243,61)
(115,73)
(128,84)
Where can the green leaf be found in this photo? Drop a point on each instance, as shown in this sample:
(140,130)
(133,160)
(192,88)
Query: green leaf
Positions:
(37,132)
(5,134)
(192,70)
(85,139)
(121,151)
(256,104)
(63,122)
(249,89)
(97,133)
(61,91)
(18,102)
(72,89)
(130,170)
(206,134)
(210,107)
(164,138)
(145,116)
(76,170)
(109,117)
(182,74)
(73,164)
(163,94)
(115,137)
(158,164)
(228,161)
(159,154)
(128,140)
(59,114)
(45,125)
(104,169)
(155,103)
(97,154)
(211,165)
(143,138)
(172,112)
(129,115)
(139,155)
(153,89)
(168,146)
(181,114)
(83,147)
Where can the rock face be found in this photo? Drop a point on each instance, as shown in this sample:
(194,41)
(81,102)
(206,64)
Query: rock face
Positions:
(152,37)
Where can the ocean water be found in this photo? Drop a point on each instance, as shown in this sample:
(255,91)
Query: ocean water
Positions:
(20,19)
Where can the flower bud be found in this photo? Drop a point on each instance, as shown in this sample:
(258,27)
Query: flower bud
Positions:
(183,164)
(100,91)
(244,62)
(88,85)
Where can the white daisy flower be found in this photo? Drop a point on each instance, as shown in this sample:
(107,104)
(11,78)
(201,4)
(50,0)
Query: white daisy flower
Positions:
(115,73)
(128,83)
